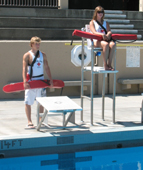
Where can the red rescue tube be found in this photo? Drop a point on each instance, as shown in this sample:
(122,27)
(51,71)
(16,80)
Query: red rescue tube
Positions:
(87,35)
(91,36)
(124,36)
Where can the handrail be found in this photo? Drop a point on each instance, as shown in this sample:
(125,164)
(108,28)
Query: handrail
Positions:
(29,3)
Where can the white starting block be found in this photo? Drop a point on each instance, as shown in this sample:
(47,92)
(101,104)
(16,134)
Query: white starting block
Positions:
(60,104)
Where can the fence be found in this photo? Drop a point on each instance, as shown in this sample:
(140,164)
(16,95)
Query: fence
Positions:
(29,3)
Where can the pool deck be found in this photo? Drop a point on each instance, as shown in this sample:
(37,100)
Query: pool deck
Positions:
(127,131)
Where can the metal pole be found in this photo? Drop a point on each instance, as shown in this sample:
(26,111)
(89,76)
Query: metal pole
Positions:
(142,112)
(82,77)
(114,91)
(103,96)
(92,81)
(114,88)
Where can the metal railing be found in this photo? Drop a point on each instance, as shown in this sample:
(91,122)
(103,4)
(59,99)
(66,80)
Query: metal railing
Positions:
(29,3)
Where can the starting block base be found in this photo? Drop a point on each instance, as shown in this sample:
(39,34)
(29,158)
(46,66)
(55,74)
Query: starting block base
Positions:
(61,104)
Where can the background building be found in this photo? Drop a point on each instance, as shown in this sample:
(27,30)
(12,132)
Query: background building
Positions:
(130,5)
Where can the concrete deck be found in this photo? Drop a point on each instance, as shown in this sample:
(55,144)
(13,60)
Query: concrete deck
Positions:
(128,127)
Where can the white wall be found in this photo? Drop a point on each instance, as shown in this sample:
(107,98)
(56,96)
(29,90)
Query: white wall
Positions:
(63,4)
(140,5)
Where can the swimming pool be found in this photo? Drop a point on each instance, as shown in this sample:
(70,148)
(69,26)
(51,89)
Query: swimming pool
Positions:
(111,159)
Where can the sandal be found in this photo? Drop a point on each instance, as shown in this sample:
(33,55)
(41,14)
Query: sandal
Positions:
(30,126)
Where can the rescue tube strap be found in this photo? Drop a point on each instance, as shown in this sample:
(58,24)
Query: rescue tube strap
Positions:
(101,26)
(71,41)
(104,30)
(31,70)
(38,76)
(125,41)
(47,82)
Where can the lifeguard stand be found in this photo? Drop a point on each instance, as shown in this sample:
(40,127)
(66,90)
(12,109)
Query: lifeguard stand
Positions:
(96,70)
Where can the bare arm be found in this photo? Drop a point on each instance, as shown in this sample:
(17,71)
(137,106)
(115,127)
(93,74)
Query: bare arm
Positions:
(47,69)
(24,72)
(109,33)
(92,28)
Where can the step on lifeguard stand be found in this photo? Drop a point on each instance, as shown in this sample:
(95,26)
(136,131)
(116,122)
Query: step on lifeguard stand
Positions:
(96,70)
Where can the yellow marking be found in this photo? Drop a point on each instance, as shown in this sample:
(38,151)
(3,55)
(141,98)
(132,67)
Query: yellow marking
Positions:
(124,45)
(74,44)
(118,45)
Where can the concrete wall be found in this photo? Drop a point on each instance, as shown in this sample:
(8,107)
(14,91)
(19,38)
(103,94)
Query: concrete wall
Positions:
(124,71)
(128,72)
(59,58)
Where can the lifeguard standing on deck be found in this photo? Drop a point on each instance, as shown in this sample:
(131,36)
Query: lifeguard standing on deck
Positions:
(34,61)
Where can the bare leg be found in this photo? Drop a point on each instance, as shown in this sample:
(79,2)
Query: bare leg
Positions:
(112,47)
(105,46)
(28,113)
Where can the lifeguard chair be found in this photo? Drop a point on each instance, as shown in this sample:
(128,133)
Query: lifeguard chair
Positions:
(85,34)
(95,52)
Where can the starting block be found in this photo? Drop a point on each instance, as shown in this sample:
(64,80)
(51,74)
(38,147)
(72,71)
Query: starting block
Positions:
(60,104)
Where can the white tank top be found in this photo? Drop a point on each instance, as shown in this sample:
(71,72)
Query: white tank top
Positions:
(98,28)
(37,67)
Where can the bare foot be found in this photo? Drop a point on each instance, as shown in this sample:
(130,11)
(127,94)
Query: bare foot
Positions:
(106,67)
(111,68)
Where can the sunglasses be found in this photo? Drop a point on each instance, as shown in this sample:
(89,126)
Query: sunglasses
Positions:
(99,12)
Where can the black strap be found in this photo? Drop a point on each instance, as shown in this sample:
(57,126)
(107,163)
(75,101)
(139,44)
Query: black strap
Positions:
(46,81)
(104,30)
(102,26)
(71,41)
(61,91)
(31,70)
(38,76)
(123,41)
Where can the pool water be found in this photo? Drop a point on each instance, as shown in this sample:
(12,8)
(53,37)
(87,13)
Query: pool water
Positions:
(112,159)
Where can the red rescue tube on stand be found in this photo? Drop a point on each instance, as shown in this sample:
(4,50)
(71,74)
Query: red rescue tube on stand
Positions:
(115,37)
(87,35)
(124,37)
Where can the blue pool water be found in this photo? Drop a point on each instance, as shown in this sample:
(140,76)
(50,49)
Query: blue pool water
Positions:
(113,159)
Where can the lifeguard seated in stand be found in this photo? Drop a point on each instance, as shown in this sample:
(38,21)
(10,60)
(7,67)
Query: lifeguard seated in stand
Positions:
(100,27)
(101,39)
